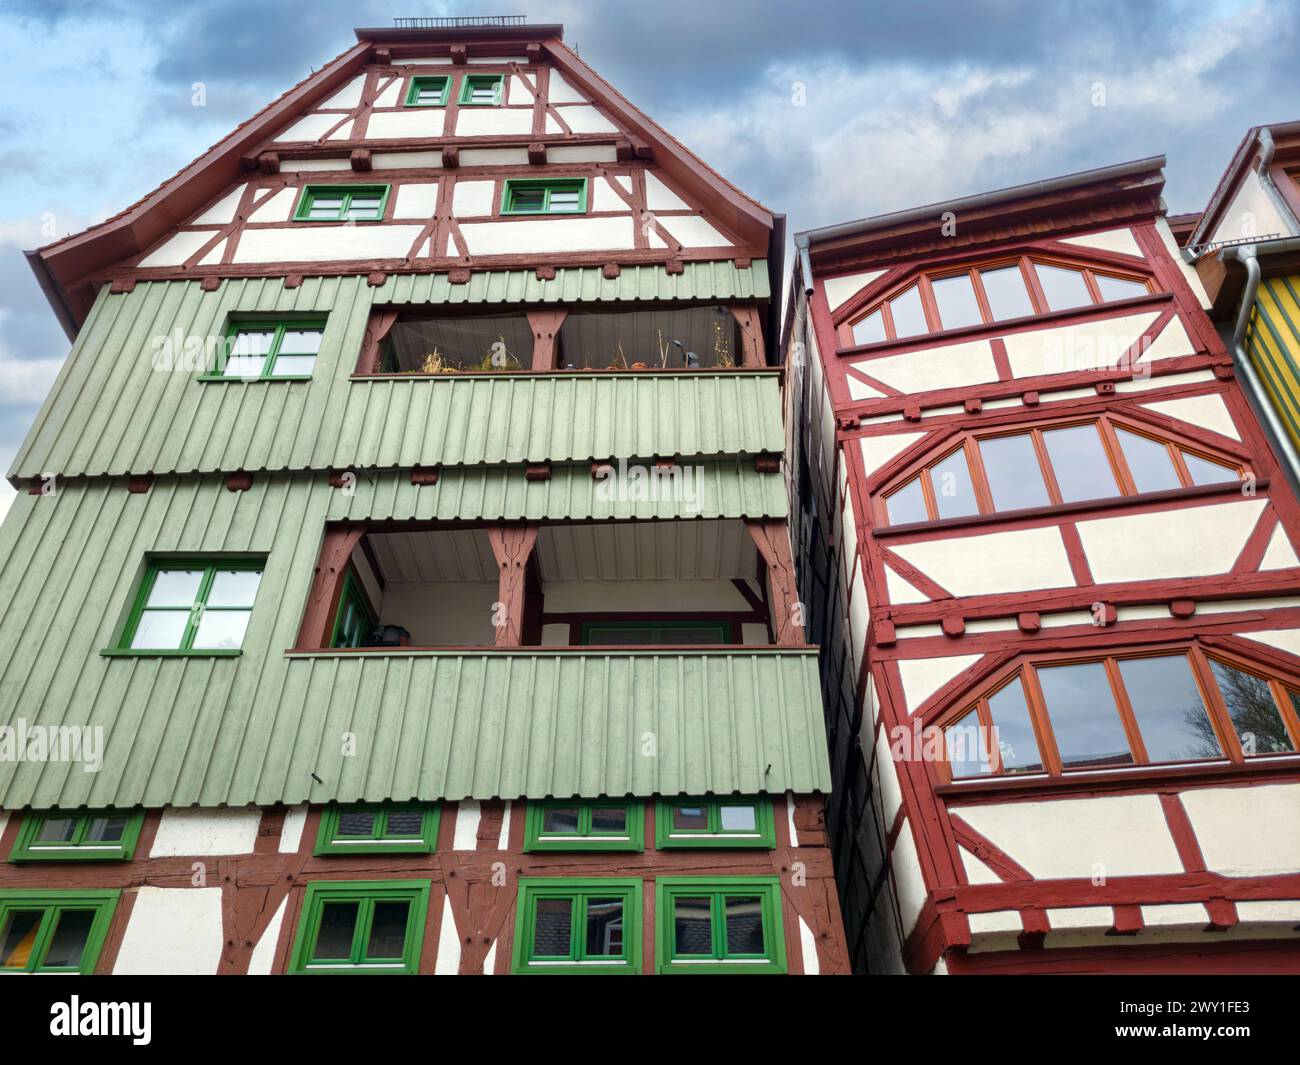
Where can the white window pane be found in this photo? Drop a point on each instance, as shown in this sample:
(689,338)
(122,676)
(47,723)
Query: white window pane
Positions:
(253,343)
(1014,476)
(160,630)
(1080,463)
(324,214)
(907,504)
(1148,461)
(175,587)
(954,494)
(1006,292)
(1204,471)
(1063,288)
(955,297)
(221,630)
(871,330)
(300,342)
(1119,288)
(293,366)
(739,818)
(964,747)
(234,587)
(909,318)
(244,366)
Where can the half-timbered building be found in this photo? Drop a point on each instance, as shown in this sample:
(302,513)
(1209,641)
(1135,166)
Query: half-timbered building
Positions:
(400,578)
(1050,558)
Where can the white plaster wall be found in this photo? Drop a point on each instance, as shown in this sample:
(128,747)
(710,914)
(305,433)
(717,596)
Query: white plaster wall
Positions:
(472,199)
(908,878)
(469,812)
(840,289)
(177,248)
(347,97)
(295,820)
(922,677)
(172,932)
(1247,831)
(405,160)
(1208,412)
(400,125)
(548,235)
(325,243)
(276,209)
(416,201)
(561,92)
(1066,349)
(581,153)
(1018,561)
(223,210)
(494,157)
(263,956)
(878,450)
(929,369)
(1190,275)
(1065,838)
(582,118)
(442,613)
(1116,240)
(493,121)
(1172,543)
(1251,213)
(194,830)
(691,231)
(891,793)
(308,128)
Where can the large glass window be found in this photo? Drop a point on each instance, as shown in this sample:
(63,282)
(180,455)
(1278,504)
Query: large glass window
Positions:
(73,835)
(584,825)
(566,925)
(715,822)
(719,924)
(985,294)
(389,828)
(998,472)
(361,927)
(1124,709)
(269,351)
(341,203)
(53,931)
(199,606)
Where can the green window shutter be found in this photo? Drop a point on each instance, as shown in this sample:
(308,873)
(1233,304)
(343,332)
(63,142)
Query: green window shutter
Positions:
(54,931)
(89,836)
(729,924)
(731,822)
(584,825)
(578,926)
(369,927)
(396,828)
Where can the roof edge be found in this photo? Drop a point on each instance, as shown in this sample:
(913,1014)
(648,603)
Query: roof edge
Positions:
(1081,179)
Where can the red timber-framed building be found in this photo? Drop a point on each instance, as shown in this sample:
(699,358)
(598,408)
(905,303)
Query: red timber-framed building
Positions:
(404,542)
(1050,561)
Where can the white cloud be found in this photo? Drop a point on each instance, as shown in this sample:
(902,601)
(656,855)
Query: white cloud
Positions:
(26,381)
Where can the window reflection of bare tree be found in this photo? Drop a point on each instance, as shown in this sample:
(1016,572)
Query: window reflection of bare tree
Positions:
(1252,709)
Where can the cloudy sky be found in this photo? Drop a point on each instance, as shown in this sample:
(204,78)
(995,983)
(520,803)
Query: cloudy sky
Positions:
(825,111)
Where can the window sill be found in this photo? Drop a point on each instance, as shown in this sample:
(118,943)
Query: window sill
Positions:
(209,378)
(1057,510)
(1009,325)
(132,652)
(1129,778)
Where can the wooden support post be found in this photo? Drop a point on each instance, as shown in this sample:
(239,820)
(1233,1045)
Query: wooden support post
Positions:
(545,326)
(751,336)
(513,546)
(773,542)
(340,540)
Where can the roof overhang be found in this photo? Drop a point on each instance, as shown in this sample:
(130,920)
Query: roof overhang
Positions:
(1285,137)
(1072,200)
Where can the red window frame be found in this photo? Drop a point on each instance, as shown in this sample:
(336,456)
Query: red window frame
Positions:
(1025,673)
(1107,423)
(1028,276)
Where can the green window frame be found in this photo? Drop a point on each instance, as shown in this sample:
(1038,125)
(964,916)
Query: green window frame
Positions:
(472,85)
(716,827)
(544,196)
(428,83)
(723,629)
(541,909)
(78,836)
(366,897)
(34,938)
(158,603)
(587,833)
(285,351)
(354,620)
(393,829)
(335,203)
(692,897)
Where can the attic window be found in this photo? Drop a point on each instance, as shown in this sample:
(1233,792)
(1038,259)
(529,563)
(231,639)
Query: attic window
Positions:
(342,203)
(481,90)
(568,196)
(985,294)
(428,91)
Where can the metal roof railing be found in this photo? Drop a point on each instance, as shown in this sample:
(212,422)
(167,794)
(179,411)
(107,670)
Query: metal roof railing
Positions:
(457,23)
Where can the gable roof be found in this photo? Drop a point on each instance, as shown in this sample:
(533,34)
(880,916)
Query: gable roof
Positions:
(64,267)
